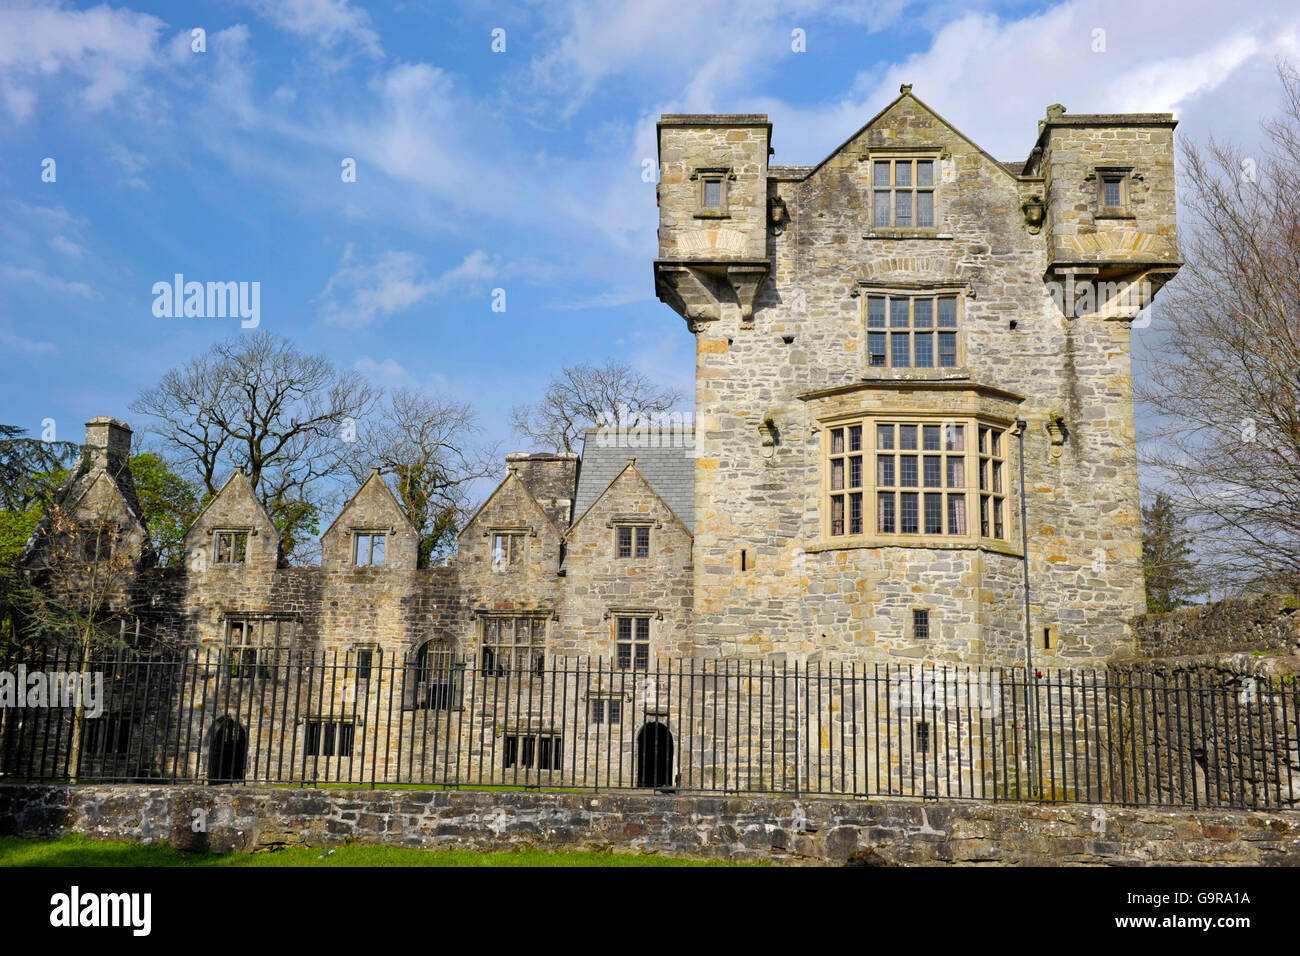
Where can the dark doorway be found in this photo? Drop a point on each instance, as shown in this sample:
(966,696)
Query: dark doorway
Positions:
(654,756)
(228,753)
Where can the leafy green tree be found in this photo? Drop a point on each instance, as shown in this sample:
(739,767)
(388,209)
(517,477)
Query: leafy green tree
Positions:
(169,503)
(1171,572)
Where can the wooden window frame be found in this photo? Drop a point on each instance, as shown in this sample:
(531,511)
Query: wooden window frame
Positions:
(958,438)
(502,658)
(893,189)
(879,322)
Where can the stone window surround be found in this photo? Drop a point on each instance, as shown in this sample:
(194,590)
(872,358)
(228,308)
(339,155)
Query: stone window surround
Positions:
(616,614)
(874,154)
(1124,176)
(538,647)
(620,523)
(723,175)
(515,555)
(605,709)
(920,290)
(872,539)
(374,531)
(216,534)
(325,732)
(932,618)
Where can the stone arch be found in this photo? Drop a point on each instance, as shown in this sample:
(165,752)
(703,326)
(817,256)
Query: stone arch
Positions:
(654,755)
(433,675)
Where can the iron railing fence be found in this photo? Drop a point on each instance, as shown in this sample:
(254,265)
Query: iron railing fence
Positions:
(846,729)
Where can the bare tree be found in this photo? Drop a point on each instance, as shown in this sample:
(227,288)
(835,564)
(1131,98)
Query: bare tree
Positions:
(81,567)
(1224,384)
(423,444)
(257,403)
(586,395)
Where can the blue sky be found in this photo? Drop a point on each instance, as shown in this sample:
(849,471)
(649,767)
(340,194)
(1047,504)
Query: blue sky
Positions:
(478,170)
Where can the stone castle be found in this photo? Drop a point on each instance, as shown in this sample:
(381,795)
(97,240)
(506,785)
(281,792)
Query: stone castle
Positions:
(885,343)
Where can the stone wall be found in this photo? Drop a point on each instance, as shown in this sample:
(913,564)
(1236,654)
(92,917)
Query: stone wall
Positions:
(806,831)
(773,384)
(1270,622)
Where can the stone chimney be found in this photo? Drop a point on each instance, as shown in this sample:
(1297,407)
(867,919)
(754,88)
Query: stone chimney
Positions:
(108,444)
(550,478)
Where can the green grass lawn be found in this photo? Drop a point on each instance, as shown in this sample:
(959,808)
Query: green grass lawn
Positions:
(80,851)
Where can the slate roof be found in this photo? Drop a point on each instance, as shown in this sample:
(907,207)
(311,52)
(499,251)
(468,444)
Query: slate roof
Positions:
(668,464)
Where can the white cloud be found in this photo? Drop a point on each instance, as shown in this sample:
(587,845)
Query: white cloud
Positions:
(24,345)
(359,292)
(46,281)
(66,246)
(328,23)
(106,49)
(389,373)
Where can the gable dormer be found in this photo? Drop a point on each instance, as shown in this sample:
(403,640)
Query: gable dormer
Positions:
(512,533)
(372,531)
(233,532)
(100,493)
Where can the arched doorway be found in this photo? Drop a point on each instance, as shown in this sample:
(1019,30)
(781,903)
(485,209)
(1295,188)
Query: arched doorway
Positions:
(654,756)
(228,752)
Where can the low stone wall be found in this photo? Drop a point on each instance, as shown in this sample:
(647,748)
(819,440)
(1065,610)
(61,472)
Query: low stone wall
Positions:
(812,831)
(1264,623)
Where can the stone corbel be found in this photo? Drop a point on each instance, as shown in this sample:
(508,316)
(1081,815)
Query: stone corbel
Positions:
(745,281)
(1056,432)
(689,293)
(696,290)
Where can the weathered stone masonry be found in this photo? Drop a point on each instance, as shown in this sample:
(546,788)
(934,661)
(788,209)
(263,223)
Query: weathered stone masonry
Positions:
(811,831)
(870,331)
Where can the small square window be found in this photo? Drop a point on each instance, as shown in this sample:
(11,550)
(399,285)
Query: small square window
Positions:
(921,623)
(232,547)
(712,194)
(1112,192)
(368,549)
(632,541)
(508,549)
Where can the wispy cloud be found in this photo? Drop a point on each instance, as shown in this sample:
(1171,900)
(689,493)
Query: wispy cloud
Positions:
(105,49)
(330,24)
(66,246)
(49,283)
(24,345)
(361,291)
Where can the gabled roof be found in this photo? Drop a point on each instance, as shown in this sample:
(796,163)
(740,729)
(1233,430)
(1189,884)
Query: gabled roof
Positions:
(629,469)
(374,476)
(667,463)
(511,475)
(235,476)
(84,476)
(904,94)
